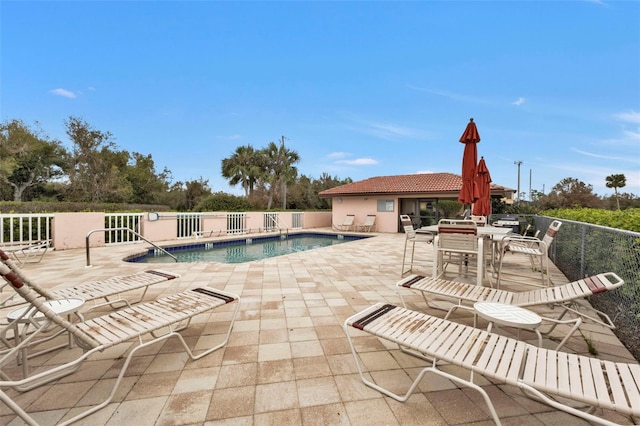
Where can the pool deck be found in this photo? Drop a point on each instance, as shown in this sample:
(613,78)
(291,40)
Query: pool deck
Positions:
(288,361)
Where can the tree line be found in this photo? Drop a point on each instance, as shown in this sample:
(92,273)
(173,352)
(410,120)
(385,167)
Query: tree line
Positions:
(572,193)
(34,167)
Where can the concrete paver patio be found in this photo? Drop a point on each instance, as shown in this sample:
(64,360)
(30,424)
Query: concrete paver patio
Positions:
(288,360)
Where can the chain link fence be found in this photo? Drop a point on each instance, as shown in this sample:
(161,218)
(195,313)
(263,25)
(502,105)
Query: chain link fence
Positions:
(581,249)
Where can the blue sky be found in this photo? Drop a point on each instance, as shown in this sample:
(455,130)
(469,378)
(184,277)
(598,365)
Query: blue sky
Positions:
(359,89)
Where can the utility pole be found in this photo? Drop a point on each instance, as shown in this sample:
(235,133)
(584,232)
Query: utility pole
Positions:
(530,197)
(284,182)
(518,163)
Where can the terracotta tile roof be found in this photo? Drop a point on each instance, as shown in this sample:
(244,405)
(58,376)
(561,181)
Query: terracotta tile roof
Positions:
(418,183)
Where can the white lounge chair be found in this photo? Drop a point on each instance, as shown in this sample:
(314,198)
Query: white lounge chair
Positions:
(348,223)
(369,223)
(541,374)
(29,252)
(566,297)
(104,292)
(141,325)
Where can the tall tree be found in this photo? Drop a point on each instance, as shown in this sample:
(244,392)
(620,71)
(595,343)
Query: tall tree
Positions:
(97,170)
(570,193)
(243,167)
(279,169)
(196,191)
(28,158)
(147,184)
(616,181)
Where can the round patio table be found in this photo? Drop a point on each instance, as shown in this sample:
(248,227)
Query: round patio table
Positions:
(509,316)
(59,306)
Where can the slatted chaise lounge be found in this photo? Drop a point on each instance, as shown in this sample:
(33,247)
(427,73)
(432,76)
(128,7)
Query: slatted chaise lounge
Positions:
(564,296)
(142,325)
(104,292)
(32,251)
(541,374)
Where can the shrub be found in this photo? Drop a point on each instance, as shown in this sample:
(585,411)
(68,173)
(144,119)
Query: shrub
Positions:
(224,202)
(628,219)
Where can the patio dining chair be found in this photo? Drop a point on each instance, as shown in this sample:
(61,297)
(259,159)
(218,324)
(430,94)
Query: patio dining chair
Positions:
(140,326)
(532,247)
(457,243)
(411,238)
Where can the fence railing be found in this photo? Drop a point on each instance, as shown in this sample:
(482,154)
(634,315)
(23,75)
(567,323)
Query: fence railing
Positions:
(297,219)
(581,249)
(188,224)
(118,227)
(236,223)
(22,229)
(270,221)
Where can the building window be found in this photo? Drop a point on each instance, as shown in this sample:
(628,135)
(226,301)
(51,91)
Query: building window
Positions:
(385,206)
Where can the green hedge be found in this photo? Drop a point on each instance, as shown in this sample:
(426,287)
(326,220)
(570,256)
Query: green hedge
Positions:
(628,219)
(13,207)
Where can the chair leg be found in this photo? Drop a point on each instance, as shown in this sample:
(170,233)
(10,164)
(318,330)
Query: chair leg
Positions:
(413,252)
(433,368)
(404,257)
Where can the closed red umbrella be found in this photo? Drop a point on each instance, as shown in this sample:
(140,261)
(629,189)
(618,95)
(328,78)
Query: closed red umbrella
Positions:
(469,138)
(482,190)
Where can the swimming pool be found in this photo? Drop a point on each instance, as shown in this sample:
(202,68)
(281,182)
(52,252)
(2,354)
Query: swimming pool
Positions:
(243,250)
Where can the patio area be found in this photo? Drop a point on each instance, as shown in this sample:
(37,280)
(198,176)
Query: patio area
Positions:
(288,361)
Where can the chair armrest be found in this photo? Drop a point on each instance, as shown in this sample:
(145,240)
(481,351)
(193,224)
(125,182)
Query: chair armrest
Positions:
(521,241)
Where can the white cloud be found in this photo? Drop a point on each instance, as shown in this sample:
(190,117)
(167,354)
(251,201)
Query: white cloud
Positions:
(630,134)
(453,95)
(629,116)
(63,92)
(389,131)
(518,102)
(604,157)
(386,131)
(338,155)
(358,162)
(600,2)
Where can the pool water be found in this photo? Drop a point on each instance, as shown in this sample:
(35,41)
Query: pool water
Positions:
(243,250)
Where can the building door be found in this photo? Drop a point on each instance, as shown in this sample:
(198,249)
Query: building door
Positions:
(428,211)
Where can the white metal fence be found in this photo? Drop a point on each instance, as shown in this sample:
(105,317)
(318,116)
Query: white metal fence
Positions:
(19,229)
(298,220)
(270,221)
(236,223)
(189,224)
(114,224)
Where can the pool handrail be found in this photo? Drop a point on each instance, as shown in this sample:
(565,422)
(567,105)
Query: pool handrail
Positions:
(124,229)
(278,222)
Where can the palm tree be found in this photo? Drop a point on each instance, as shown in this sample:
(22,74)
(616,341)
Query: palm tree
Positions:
(242,167)
(615,182)
(279,169)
